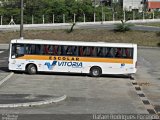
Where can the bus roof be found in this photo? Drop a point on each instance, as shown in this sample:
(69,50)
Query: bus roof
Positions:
(75,43)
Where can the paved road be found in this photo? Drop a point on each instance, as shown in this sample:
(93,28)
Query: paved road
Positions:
(86,26)
(88,95)
(3,60)
(148,74)
(112,26)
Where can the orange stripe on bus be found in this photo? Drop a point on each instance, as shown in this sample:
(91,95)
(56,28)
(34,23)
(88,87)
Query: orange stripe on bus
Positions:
(81,59)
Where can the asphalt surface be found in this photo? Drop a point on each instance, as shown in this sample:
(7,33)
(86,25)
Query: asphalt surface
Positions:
(112,26)
(148,74)
(86,95)
(86,26)
(3,60)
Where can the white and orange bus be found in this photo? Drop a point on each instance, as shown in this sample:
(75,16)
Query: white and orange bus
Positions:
(94,58)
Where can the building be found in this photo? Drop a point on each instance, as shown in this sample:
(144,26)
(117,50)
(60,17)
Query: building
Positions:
(130,5)
(153,4)
(105,2)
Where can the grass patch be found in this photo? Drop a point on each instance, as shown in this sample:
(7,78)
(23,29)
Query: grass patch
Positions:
(99,35)
(151,24)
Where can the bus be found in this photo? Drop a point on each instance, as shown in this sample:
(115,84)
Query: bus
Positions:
(93,58)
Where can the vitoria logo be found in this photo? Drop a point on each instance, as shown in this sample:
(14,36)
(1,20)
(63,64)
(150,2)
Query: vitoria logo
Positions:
(51,66)
(69,64)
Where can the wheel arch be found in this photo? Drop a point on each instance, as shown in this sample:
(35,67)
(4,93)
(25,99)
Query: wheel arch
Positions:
(96,67)
(30,64)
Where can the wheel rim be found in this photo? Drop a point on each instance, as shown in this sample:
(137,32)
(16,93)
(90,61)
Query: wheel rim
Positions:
(33,69)
(95,72)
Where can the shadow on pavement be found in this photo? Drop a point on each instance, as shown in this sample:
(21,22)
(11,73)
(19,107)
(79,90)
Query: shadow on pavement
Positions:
(82,74)
(4,69)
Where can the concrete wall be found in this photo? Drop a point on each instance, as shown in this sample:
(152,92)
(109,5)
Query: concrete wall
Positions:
(129,5)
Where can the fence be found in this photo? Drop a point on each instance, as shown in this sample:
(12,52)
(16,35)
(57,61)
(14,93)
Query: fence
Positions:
(54,18)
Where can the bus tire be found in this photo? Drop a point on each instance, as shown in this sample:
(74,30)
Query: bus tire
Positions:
(95,71)
(31,69)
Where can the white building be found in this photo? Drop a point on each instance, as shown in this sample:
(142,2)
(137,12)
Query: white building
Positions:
(130,5)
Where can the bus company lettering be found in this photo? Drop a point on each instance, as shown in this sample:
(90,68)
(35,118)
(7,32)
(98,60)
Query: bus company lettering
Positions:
(68,64)
(71,64)
(64,58)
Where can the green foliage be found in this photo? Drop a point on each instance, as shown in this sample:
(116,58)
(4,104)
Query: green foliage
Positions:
(38,8)
(123,27)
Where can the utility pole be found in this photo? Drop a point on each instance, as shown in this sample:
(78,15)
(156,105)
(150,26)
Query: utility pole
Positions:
(1,20)
(102,12)
(94,11)
(124,15)
(21,26)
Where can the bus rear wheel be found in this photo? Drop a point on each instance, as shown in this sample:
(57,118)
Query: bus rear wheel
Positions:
(95,71)
(31,69)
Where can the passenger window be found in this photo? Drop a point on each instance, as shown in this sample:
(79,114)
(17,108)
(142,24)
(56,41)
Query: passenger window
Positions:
(75,51)
(101,52)
(63,50)
(80,51)
(127,53)
(55,50)
(69,50)
(84,51)
(118,53)
(92,51)
(109,52)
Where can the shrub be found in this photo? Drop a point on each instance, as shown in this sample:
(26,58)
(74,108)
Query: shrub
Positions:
(123,27)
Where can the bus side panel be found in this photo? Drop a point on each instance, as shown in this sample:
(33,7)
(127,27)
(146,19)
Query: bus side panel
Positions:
(108,68)
(15,64)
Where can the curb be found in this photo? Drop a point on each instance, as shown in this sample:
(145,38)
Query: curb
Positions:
(6,78)
(146,102)
(29,104)
(148,47)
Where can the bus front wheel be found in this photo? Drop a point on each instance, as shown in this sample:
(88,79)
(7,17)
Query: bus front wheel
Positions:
(95,71)
(31,69)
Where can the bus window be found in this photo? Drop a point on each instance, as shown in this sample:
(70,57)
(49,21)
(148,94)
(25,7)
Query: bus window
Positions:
(55,50)
(41,52)
(69,50)
(63,50)
(33,49)
(59,50)
(130,53)
(118,53)
(100,52)
(127,53)
(75,51)
(92,51)
(17,50)
(37,49)
(80,51)
(46,49)
(110,52)
(84,51)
